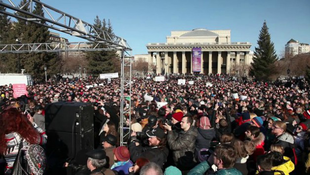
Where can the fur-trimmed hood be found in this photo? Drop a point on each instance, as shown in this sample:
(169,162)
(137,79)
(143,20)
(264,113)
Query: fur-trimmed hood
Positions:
(259,140)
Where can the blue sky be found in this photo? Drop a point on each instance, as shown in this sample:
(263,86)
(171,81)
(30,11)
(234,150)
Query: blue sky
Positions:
(150,21)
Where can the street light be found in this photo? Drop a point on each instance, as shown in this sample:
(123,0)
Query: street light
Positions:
(45,73)
(18,61)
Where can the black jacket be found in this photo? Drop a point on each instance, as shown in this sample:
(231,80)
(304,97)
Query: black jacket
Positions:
(153,154)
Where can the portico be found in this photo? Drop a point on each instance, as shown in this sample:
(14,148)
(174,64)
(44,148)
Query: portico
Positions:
(214,53)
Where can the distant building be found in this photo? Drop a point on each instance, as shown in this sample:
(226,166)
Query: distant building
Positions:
(199,51)
(293,47)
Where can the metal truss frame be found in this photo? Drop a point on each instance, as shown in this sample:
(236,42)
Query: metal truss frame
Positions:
(52,47)
(63,22)
(76,27)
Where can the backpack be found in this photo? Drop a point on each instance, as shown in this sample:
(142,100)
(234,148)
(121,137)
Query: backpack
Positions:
(36,158)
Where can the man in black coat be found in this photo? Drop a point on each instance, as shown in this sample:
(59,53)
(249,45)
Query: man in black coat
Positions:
(156,151)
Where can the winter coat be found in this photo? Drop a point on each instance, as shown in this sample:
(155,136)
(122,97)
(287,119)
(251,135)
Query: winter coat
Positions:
(286,167)
(122,169)
(110,156)
(204,138)
(183,147)
(286,140)
(153,154)
(204,166)
(241,165)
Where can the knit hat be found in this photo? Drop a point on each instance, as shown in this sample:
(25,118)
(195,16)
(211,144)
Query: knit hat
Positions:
(136,127)
(307,114)
(258,121)
(121,153)
(204,123)
(275,119)
(245,116)
(172,170)
(178,116)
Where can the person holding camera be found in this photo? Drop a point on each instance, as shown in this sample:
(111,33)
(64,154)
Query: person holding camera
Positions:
(223,157)
(182,144)
(156,151)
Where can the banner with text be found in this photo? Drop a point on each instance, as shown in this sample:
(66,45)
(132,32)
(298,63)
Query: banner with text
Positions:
(19,90)
(196,59)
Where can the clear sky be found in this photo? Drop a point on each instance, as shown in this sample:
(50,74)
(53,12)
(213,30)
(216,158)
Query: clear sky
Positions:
(149,21)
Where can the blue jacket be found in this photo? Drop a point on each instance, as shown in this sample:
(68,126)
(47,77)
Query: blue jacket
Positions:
(203,167)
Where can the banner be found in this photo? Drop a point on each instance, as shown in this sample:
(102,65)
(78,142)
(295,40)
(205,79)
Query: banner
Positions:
(160,78)
(196,59)
(181,81)
(19,90)
(108,75)
(191,82)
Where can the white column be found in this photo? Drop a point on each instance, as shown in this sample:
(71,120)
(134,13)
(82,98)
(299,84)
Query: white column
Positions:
(183,63)
(238,58)
(158,63)
(150,62)
(175,63)
(210,63)
(191,61)
(219,62)
(228,63)
(201,72)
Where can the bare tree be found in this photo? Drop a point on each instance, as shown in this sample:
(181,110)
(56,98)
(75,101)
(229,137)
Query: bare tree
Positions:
(73,64)
(241,70)
(140,66)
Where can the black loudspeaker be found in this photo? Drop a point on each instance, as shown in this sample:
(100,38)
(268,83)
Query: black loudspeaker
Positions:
(70,129)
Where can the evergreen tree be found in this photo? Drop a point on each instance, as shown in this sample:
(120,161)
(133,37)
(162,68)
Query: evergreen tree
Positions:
(28,32)
(4,37)
(102,61)
(264,56)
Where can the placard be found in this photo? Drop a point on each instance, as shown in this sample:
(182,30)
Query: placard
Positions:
(181,81)
(159,78)
(208,84)
(19,90)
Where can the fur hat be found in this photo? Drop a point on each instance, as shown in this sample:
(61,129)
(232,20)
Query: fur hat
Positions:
(121,153)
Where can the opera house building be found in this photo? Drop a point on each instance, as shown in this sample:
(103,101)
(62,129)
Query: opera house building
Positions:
(199,51)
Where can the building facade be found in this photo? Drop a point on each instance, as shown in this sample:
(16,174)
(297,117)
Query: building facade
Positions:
(293,47)
(199,51)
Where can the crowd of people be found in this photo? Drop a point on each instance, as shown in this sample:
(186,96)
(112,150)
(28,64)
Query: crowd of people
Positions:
(215,125)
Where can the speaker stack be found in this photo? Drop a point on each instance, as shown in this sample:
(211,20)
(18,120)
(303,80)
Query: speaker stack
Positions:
(70,130)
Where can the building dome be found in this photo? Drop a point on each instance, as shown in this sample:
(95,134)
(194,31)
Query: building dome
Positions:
(200,32)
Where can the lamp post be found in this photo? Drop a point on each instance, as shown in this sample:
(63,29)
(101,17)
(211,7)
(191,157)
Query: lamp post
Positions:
(18,58)
(45,73)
